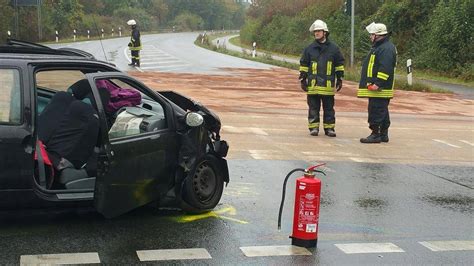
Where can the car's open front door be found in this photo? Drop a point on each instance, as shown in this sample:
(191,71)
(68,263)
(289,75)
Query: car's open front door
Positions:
(134,162)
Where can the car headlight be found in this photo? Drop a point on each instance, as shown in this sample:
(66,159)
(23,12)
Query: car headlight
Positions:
(194,119)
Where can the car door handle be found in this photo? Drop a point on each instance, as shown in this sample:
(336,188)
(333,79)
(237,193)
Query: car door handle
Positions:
(27,145)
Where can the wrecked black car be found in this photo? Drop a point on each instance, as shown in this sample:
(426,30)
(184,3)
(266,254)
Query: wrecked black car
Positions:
(75,131)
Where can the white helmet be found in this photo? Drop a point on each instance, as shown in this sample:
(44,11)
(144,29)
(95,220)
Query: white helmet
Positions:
(131,22)
(318,25)
(377,28)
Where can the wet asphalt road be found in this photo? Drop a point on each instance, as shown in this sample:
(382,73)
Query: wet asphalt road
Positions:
(361,202)
(402,204)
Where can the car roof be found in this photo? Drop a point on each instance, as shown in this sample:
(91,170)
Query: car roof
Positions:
(27,50)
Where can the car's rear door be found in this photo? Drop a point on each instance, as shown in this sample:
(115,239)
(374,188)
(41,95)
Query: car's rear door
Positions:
(134,167)
(16,141)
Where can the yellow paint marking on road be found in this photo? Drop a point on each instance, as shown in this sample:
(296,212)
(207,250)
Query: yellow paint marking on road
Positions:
(215,214)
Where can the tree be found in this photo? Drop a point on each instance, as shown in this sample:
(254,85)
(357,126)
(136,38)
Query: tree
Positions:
(6,18)
(447,43)
(187,21)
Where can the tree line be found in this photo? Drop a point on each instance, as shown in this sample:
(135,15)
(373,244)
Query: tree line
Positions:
(436,34)
(151,15)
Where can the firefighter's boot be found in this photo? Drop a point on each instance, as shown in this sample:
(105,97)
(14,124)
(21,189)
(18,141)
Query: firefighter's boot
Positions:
(374,137)
(330,132)
(384,135)
(314,131)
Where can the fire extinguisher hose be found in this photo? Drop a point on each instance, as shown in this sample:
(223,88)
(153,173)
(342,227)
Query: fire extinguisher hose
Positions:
(283,193)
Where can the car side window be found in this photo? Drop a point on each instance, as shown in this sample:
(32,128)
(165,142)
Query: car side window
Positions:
(58,80)
(129,111)
(10,96)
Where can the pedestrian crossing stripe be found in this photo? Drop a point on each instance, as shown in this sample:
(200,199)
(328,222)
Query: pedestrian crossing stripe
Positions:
(63,258)
(173,254)
(358,248)
(454,245)
(265,251)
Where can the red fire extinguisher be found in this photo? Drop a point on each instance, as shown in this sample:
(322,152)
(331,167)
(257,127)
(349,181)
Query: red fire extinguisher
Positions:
(306,211)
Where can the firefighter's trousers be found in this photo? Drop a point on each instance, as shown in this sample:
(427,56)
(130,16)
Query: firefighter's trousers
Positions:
(314,105)
(135,57)
(379,117)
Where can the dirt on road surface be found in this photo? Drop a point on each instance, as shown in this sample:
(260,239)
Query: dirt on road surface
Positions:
(277,91)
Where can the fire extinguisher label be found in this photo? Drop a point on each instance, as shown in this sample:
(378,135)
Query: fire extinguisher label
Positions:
(311,228)
(308,212)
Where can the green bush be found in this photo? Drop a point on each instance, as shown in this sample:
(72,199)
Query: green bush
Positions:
(448,43)
(250,31)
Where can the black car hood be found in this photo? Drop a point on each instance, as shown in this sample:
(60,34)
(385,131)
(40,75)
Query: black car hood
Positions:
(212,121)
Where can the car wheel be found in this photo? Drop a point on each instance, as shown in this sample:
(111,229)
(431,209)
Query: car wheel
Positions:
(203,190)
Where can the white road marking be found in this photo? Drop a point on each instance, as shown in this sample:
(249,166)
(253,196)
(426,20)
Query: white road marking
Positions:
(446,143)
(64,258)
(159,67)
(263,251)
(357,248)
(173,254)
(363,160)
(243,130)
(467,142)
(265,154)
(125,52)
(154,62)
(454,245)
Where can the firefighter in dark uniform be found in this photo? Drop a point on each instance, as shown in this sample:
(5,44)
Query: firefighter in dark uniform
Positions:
(135,44)
(321,72)
(377,82)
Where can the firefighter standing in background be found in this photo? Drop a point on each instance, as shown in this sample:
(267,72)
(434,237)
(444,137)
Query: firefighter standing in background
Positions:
(377,82)
(135,44)
(320,66)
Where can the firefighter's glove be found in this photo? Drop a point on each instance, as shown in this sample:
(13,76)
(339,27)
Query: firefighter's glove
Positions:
(373,87)
(304,85)
(338,84)
(303,75)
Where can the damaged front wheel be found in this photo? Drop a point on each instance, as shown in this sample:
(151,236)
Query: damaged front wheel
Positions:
(203,190)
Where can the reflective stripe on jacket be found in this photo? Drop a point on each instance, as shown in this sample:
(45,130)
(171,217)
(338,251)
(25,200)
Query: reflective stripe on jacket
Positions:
(135,42)
(379,68)
(323,62)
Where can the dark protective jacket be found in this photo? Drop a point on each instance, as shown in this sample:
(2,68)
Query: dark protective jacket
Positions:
(135,42)
(379,68)
(323,62)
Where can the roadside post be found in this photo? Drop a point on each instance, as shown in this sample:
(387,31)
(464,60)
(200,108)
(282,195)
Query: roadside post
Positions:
(409,73)
(74,34)
(9,35)
(120,31)
(113,32)
(254,49)
(88,34)
(102,30)
(57,36)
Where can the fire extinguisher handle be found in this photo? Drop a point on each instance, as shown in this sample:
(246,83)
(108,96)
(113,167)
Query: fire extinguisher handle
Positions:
(319,171)
(312,168)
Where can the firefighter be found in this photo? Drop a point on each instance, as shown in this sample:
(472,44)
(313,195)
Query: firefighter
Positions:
(377,82)
(321,72)
(135,44)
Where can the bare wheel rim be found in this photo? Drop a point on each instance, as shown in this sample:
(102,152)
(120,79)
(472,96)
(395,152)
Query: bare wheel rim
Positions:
(204,182)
